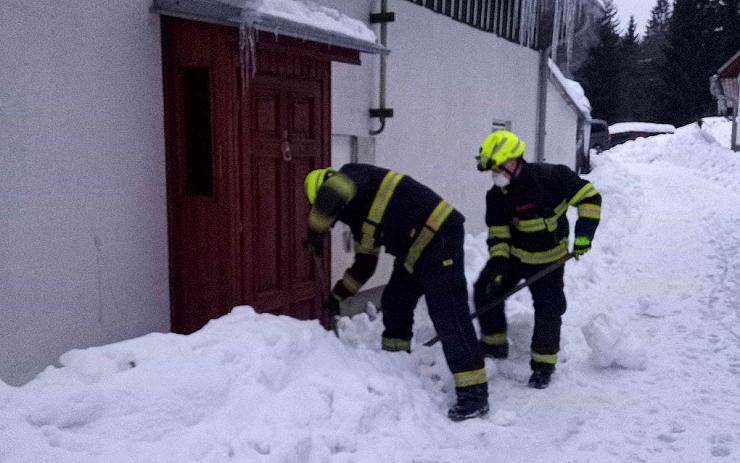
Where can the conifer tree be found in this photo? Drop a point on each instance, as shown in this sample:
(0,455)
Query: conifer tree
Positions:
(703,34)
(601,72)
(631,106)
(652,59)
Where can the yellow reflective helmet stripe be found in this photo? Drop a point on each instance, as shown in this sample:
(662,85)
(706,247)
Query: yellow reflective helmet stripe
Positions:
(498,147)
(470,378)
(345,188)
(434,222)
(494,339)
(550,359)
(589,211)
(586,191)
(499,232)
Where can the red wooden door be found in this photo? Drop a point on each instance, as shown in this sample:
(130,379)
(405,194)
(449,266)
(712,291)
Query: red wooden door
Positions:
(236,158)
(289,133)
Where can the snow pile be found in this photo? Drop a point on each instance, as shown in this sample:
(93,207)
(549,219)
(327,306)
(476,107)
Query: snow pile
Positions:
(309,13)
(690,147)
(645,127)
(612,345)
(572,88)
(720,128)
(654,306)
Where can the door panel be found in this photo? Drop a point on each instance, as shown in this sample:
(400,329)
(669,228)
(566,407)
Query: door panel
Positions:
(200,118)
(296,105)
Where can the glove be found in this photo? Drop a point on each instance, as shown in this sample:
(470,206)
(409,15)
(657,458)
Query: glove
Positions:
(332,306)
(492,277)
(581,246)
(314,243)
(494,284)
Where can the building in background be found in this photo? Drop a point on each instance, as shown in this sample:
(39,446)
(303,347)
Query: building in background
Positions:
(725,86)
(152,152)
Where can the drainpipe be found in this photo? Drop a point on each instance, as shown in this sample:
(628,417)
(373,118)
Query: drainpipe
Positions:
(383,18)
(542,104)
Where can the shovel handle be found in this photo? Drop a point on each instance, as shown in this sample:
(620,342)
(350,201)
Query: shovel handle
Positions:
(487,307)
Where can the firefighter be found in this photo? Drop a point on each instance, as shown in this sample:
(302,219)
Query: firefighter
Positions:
(425,234)
(528,230)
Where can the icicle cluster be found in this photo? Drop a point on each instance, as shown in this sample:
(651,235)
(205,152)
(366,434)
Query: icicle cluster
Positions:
(528,21)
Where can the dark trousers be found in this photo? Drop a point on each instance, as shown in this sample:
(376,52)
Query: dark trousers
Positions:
(439,275)
(549,305)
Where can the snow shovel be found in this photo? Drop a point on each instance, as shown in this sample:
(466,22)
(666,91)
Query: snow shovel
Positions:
(318,269)
(545,271)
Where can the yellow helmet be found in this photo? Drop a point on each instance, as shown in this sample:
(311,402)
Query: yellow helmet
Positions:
(314,180)
(499,147)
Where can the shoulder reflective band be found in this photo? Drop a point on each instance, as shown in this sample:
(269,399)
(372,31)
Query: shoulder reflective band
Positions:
(550,359)
(434,221)
(470,378)
(586,191)
(383,197)
(378,207)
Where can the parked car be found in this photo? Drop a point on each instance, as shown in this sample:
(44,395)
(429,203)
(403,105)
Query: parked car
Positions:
(600,136)
(625,131)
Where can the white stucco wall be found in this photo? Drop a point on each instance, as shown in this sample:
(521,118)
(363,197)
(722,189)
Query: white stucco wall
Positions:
(446,83)
(560,129)
(83,245)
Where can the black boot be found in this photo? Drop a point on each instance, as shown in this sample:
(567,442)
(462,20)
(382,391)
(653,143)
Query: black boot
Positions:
(497,351)
(541,373)
(472,401)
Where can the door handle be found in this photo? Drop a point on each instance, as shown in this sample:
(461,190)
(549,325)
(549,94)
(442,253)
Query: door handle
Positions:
(285,147)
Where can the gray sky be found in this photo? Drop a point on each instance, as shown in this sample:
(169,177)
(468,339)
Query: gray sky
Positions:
(640,9)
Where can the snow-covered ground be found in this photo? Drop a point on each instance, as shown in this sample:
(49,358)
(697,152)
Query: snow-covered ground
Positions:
(649,369)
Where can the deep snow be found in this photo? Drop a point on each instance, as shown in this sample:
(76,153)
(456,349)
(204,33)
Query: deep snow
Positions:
(649,368)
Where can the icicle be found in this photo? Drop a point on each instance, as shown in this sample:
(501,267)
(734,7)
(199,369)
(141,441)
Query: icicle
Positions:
(571,15)
(556,25)
(528,22)
(247,55)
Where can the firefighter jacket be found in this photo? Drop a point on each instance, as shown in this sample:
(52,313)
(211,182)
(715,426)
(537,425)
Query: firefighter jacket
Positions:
(527,219)
(382,208)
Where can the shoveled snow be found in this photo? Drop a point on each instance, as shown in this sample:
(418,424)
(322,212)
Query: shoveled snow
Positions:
(647,127)
(649,369)
(572,88)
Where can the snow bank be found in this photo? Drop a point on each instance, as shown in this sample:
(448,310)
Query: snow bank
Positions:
(309,13)
(612,345)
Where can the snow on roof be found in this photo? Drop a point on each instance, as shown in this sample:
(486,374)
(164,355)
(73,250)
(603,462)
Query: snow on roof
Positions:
(309,13)
(573,89)
(646,127)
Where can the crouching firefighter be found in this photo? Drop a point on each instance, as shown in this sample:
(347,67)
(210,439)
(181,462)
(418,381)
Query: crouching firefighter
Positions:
(528,230)
(425,235)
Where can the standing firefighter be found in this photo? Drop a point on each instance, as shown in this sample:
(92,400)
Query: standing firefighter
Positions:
(425,234)
(527,231)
